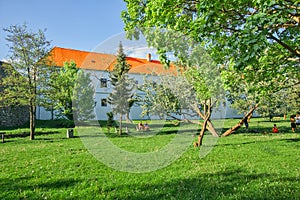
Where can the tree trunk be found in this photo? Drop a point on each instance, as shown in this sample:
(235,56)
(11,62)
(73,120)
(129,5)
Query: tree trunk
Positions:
(240,123)
(52,113)
(212,129)
(32,113)
(120,128)
(128,120)
(200,137)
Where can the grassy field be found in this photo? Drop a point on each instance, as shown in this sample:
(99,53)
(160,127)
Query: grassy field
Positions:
(250,164)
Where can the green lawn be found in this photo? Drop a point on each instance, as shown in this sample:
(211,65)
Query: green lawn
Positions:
(250,164)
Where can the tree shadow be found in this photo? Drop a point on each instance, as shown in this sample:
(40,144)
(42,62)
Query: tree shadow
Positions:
(26,134)
(229,184)
(292,140)
(9,186)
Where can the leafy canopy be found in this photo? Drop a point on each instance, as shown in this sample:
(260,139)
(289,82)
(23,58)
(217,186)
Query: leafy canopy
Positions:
(239,30)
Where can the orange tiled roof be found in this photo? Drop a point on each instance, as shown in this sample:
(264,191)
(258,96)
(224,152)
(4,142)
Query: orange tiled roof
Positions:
(100,61)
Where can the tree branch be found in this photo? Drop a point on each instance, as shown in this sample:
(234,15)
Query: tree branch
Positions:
(286,46)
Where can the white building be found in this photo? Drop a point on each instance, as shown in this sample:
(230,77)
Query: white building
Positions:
(99,65)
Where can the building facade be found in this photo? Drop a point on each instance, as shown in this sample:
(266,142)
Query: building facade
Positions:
(100,65)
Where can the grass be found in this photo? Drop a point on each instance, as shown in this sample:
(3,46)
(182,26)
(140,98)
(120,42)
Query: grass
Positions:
(250,164)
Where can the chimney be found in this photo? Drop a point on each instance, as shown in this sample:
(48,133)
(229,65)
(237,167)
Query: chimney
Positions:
(148,57)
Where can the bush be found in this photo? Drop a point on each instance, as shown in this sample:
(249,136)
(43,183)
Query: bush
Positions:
(110,119)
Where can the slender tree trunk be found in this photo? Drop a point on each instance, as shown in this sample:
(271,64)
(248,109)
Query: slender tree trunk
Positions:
(128,118)
(32,113)
(240,123)
(120,128)
(52,113)
(211,128)
(204,126)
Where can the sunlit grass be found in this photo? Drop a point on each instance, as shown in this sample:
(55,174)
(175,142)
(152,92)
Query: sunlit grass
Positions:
(245,165)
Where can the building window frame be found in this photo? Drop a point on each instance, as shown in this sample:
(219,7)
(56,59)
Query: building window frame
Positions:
(103,82)
(103,102)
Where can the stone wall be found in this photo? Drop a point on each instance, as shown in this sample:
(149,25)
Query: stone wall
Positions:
(12,115)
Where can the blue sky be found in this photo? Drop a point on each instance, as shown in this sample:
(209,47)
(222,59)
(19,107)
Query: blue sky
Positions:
(76,24)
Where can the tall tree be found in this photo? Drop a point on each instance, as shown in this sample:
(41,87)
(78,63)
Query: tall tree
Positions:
(251,87)
(62,83)
(121,96)
(71,92)
(83,97)
(248,36)
(28,72)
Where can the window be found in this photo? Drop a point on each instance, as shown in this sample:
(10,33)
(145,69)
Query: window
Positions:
(104,102)
(103,82)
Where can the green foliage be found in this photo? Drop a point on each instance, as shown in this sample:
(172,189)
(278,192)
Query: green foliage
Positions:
(265,85)
(83,97)
(27,74)
(110,119)
(195,90)
(280,103)
(255,42)
(62,84)
(157,97)
(71,93)
(242,30)
(121,96)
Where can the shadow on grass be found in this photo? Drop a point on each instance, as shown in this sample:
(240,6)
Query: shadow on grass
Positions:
(262,142)
(292,140)
(26,134)
(229,184)
(9,186)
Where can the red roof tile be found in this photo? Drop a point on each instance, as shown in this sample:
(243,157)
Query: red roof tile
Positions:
(100,61)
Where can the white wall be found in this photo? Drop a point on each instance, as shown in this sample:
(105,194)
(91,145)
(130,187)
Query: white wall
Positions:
(135,113)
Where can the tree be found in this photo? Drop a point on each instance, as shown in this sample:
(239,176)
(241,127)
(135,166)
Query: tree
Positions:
(71,93)
(173,96)
(238,30)
(110,121)
(62,83)
(121,96)
(281,103)
(28,73)
(291,97)
(255,35)
(251,87)
(196,90)
(83,97)
(157,98)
